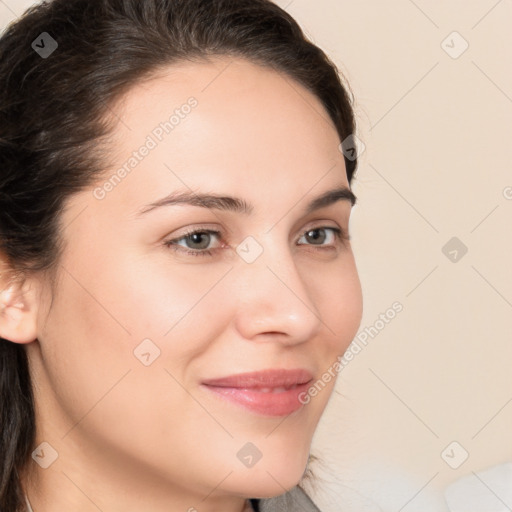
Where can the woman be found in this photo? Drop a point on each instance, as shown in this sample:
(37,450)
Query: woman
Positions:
(177,280)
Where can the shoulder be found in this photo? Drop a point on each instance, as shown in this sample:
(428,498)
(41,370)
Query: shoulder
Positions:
(294,499)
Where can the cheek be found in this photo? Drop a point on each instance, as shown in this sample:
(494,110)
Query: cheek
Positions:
(84,352)
(340,303)
(351,304)
(105,393)
(156,297)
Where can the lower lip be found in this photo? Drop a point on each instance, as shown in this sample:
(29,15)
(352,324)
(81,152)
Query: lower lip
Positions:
(267,404)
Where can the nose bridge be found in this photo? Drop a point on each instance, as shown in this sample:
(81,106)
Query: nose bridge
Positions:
(273,297)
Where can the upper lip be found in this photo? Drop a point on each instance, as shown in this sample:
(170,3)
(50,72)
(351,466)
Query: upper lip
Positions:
(271,378)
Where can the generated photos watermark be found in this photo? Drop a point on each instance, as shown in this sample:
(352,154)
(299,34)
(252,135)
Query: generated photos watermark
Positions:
(152,140)
(353,349)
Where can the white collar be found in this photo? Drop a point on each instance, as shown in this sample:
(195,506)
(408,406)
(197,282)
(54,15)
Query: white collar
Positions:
(29,508)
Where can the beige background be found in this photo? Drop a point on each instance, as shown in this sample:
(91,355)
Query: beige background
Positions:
(437,164)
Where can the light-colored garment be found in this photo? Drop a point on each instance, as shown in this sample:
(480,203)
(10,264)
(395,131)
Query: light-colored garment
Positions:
(489,489)
(294,499)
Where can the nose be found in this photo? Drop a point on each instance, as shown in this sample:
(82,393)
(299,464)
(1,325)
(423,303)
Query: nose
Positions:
(273,299)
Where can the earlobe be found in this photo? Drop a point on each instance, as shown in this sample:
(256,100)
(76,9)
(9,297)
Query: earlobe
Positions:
(18,314)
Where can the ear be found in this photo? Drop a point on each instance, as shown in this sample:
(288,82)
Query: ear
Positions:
(18,309)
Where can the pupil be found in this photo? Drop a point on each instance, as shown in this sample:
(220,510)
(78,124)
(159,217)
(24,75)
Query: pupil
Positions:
(314,231)
(196,237)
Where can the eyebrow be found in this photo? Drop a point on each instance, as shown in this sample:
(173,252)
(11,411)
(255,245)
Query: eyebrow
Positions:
(239,205)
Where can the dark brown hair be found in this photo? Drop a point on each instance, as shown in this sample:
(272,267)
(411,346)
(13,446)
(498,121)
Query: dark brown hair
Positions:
(54,131)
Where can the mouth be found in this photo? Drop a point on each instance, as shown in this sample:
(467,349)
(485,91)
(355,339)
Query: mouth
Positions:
(268,393)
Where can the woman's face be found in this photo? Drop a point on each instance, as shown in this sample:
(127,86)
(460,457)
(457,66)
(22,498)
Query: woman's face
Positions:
(138,324)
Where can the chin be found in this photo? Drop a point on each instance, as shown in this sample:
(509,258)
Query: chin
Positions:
(269,480)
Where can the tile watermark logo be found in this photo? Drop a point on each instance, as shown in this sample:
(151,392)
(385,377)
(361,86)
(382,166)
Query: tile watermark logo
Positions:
(45,455)
(454,249)
(249,249)
(454,455)
(454,45)
(44,45)
(146,352)
(352,147)
(249,454)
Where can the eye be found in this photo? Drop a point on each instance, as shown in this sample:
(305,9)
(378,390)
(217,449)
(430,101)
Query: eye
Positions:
(312,234)
(196,237)
(197,242)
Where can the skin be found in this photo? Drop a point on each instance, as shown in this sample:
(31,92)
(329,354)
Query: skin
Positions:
(132,437)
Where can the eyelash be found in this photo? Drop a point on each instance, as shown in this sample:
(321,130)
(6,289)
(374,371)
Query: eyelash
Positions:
(172,244)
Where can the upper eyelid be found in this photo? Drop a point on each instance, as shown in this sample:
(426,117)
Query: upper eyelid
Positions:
(316,223)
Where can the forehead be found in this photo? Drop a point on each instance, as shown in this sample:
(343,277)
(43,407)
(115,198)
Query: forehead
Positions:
(209,124)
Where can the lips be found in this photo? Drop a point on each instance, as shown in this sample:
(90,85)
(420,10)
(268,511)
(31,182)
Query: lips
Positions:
(267,393)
